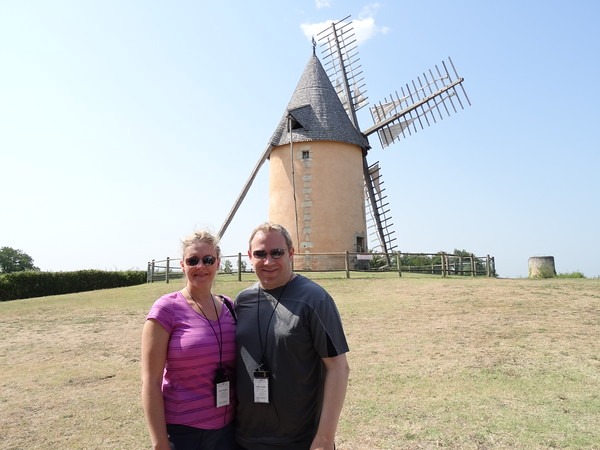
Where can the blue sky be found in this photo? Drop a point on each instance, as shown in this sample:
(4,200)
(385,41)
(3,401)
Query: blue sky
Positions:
(126,125)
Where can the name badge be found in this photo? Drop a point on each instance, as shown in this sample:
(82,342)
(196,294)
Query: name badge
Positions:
(221,389)
(222,394)
(261,386)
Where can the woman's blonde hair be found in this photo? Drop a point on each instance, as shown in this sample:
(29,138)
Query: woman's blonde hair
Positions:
(202,236)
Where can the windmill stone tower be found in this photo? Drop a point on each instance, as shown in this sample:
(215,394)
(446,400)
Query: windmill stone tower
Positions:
(316,184)
(321,187)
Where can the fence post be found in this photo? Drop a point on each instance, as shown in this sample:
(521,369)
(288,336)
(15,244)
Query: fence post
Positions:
(347,262)
(148,280)
(444,263)
(167,270)
(447,263)
(487,266)
(152,272)
(239,266)
(398,263)
(473,266)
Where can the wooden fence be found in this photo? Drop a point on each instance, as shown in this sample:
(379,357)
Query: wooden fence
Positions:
(443,264)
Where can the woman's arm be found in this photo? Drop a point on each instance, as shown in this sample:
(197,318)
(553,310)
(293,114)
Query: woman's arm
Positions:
(155,340)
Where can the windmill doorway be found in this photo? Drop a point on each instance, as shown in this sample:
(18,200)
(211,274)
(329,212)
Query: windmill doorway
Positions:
(360,244)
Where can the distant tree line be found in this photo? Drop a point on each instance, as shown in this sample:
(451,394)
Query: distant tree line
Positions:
(421,260)
(12,260)
(20,278)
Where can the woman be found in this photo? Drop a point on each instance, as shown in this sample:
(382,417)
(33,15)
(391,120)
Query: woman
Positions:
(188,357)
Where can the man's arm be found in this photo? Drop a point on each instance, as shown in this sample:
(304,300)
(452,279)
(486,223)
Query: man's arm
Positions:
(336,383)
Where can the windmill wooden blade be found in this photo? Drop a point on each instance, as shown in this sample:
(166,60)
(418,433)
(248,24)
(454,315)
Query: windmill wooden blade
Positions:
(342,64)
(377,210)
(418,104)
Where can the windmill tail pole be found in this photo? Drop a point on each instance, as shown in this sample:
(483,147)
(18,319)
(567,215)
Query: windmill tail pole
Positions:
(245,190)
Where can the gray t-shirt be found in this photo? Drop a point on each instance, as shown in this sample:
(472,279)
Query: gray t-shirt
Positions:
(289,330)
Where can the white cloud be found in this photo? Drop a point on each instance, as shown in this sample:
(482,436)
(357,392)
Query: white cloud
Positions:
(311,30)
(369,10)
(364,26)
(322,4)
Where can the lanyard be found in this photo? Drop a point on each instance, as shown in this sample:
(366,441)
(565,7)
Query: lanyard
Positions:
(219,341)
(263,362)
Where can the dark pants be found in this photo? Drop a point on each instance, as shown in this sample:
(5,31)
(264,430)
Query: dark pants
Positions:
(182,437)
(244,448)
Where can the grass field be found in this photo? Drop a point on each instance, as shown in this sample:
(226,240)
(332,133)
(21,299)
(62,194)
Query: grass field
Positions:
(456,363)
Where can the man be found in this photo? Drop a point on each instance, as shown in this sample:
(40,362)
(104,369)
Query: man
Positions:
(292,371)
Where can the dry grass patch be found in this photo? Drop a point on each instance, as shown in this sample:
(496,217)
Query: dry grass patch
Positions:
(436,363)
(462,363)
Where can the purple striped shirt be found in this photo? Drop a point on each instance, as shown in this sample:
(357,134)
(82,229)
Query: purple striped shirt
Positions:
(192,360)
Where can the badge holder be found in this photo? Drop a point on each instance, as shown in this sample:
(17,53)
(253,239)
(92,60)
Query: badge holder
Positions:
(261,385)
(221,388)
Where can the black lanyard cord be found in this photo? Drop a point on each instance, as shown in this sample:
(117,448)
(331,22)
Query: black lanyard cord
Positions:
(263,363)
(219,341)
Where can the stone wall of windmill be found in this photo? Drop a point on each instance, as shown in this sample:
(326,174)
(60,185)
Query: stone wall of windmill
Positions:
(320,199)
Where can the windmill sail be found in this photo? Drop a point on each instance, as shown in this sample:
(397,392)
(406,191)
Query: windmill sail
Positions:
(418,105)
(379,221)
(342,64)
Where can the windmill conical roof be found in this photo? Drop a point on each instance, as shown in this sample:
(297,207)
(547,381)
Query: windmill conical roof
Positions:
(317,113)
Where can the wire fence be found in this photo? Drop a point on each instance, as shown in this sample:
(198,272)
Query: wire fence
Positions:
(442,264)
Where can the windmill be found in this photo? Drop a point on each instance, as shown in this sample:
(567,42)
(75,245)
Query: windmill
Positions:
(322,188)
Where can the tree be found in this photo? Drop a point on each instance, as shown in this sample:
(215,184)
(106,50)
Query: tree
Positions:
(416,260)
(12,260)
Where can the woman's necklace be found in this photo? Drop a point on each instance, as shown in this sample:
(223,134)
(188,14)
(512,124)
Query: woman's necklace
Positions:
(221,381)
(219,341)
(200,306)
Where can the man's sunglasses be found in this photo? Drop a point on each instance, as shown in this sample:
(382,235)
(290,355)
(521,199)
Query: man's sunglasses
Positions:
(194,260)
(275,253)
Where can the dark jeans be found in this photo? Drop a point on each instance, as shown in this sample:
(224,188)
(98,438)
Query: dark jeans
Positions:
(244,448)
(182,437)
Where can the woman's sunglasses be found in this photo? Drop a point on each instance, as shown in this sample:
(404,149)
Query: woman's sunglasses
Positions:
(275,253)
(194,260)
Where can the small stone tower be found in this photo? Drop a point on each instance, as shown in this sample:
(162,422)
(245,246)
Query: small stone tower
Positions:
(316,182)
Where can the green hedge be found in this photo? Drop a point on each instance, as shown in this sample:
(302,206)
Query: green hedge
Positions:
(29,284)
